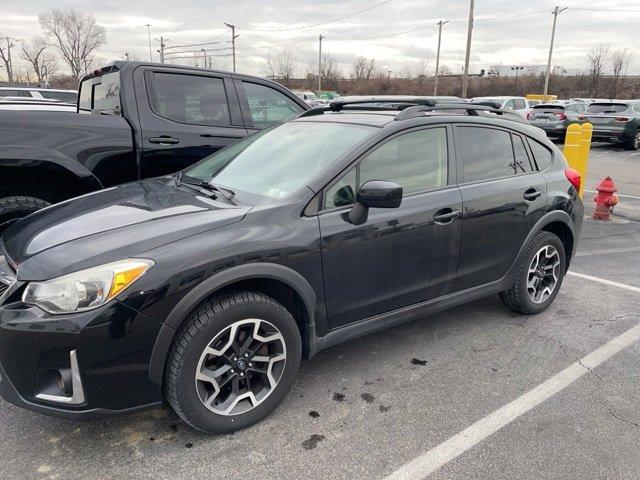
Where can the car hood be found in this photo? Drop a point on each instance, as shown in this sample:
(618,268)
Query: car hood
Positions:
(110,225)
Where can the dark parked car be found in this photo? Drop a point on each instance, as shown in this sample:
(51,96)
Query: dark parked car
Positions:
(554,118)
(615,121)
(207,287)
(135,120)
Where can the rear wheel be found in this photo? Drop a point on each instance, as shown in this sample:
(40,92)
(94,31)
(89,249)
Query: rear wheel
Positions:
(539,275)
(13,209)
(233,362)
(634,142)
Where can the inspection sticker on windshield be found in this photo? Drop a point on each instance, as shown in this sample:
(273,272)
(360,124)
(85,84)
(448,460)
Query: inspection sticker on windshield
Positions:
(274,192)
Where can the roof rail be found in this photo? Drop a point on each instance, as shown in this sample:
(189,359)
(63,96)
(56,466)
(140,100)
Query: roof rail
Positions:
(477,109)
(399,103)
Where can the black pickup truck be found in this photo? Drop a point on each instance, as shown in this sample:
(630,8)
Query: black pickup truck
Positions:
(134,120)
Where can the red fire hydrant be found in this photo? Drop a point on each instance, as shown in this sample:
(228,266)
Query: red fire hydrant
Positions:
(605,199)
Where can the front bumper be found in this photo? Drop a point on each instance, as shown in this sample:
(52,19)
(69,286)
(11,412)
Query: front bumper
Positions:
(113,346)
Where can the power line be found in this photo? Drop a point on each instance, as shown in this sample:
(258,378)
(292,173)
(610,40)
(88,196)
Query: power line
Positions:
(316,24)
(196,45)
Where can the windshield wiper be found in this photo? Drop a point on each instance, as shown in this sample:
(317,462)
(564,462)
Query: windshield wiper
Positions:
(206,187)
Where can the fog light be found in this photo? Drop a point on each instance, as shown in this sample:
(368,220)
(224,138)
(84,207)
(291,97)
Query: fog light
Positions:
(61,385)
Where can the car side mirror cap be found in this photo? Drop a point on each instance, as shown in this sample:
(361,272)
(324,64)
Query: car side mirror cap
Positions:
(374,194)
(379,194)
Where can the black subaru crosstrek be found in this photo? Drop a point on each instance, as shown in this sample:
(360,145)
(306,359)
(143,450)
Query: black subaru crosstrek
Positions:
(206,288)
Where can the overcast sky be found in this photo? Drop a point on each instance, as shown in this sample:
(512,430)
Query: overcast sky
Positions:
(517,40)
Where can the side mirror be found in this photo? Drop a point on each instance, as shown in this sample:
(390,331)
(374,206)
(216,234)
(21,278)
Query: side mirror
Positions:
(375,194)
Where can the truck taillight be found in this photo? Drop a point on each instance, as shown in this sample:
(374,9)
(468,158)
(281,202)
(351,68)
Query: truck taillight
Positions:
(574,177)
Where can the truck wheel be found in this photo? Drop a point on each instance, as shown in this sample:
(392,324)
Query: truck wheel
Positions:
(634,142)
(232,362)
(13,209)
(539,276)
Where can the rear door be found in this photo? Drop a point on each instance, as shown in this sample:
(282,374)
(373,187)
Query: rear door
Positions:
(185,115)
(503,195)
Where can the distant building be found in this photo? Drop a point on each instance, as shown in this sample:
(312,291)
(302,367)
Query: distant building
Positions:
(512,70)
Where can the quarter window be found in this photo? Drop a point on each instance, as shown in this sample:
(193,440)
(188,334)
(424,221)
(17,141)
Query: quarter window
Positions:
(522,163)
(268,106)
(486,153)
(191,99)
(541,154)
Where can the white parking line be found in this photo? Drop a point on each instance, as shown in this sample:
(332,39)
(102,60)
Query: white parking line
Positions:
(605,251)
(623,196)
(430,461)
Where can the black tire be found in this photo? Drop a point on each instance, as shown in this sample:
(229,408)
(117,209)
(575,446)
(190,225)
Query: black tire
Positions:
(517,297)
(634,142)
(206,323)
(14,208)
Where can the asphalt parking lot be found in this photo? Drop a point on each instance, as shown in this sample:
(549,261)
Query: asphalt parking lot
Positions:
(401,398)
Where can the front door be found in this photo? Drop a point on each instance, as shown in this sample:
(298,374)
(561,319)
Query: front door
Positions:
(188,116)
(401,256)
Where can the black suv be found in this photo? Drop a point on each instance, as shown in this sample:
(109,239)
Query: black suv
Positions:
(207,287)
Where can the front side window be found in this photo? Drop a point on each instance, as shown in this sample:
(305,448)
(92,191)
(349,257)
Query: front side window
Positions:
(486,153)
(519,104)
(280,161)
(416,160)
(191,99)
(268,106)
(509,105)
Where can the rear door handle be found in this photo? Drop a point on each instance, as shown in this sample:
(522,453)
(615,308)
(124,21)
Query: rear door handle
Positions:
(446,216)
(531,194)
(164,140)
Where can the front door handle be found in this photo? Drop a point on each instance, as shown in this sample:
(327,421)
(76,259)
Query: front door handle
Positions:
(531,194)
(164,140)
(445,216)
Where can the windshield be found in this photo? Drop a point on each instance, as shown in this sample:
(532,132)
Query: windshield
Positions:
(277,162)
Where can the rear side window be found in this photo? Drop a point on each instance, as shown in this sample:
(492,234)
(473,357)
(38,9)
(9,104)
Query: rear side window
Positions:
(541,154)
(101,93)
(487,153)
(607,107)
(268,106)
(191,99)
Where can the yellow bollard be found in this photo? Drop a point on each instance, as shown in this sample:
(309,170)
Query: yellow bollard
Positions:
(572,146)
(585,147)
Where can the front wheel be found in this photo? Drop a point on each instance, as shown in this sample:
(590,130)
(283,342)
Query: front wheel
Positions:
(539,275)
(233,362)
(13,209)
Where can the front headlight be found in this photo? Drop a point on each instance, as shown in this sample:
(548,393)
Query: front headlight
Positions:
(86,289)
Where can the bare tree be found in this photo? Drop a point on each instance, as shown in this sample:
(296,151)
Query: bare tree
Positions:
(5,46)
(363,68)
(281,65)
(76,35)
(620,61)
(329,70)
(40,60)
(406,71)
(597,60)
(422,69)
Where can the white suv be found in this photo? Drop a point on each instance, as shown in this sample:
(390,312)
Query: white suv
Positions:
(29,93)
(518,104)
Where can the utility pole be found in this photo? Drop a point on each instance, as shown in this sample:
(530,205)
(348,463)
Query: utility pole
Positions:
(465,75)
(555,13)
(320,62)
(435,83)
(149,35)
(161,51)
(204,52)
(233,43)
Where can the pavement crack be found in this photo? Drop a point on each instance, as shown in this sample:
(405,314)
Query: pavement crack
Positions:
(616,416)
(570,356)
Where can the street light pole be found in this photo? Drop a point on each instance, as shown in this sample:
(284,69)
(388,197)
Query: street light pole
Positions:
(149,35)
(555,13)
(320,37)
(435,83)
(465,76)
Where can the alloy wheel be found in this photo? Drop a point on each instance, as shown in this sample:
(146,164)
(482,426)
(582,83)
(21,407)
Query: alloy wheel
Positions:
(241,367)
(543,274)
(636,140)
